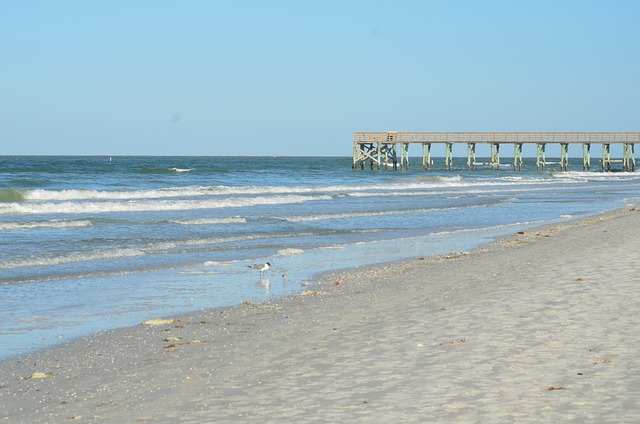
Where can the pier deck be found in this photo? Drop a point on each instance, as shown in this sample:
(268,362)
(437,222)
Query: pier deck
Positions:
(381,148)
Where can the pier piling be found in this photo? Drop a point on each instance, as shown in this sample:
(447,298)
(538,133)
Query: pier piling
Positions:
(495,156)
(471,155)
(606,157)
(564,156)
(541,162)
(586,156)
(426,156)
(628,159)
(448,159)
(517,157)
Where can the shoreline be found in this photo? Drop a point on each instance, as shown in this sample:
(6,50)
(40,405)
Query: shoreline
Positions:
(47,324)
(510,330)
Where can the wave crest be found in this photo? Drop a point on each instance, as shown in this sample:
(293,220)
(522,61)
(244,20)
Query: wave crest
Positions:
(9,195)
(34,225)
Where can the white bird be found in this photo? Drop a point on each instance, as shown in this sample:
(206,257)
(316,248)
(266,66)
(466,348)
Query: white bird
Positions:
(260,267)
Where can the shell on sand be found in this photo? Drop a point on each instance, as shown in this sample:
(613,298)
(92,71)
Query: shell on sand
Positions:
(159,321)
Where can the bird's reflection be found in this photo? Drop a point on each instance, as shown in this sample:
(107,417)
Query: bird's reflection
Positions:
(263,282)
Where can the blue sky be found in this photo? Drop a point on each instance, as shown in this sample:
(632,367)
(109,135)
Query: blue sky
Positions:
(299,77)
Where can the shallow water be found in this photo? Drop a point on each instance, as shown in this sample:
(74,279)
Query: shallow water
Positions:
(88,244)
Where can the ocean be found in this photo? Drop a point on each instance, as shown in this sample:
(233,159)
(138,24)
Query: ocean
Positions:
(90,244)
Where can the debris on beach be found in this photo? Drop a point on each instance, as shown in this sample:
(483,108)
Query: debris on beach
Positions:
(159,321)
(267,306)
(552,388)
(179,343)
(451,255)
(187,342)
(38,375)
(310,293)
(107,404)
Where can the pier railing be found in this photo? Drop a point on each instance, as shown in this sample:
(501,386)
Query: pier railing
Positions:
(497,137)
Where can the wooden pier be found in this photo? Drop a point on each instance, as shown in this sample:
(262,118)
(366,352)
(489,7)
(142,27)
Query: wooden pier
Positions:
(381,148)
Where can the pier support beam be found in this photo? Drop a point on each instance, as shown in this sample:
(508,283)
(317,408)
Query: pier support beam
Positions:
(404,156)
(564,156)
(364,152)
(426,156)
(541,162)
(361,152)
(471,155)
(370,156)
(448,160)
(495,156)
(356,155)
(606,157)
(390,153)
(517,157)
(586,156)
(628,158)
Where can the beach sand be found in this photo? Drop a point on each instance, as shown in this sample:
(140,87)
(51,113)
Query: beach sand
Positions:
(537,327)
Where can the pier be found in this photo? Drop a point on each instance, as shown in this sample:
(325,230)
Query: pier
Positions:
(381,148)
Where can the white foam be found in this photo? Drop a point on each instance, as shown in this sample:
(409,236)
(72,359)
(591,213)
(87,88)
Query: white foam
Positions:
(214,263)
(290,252)
(73,257)
(404,188)
(211,221)
(62,195)
(224,263)
(581,176)
(349,215)
(454,179)
(61,223)
(146,206)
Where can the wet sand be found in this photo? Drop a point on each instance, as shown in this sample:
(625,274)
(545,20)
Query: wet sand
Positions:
(537,327)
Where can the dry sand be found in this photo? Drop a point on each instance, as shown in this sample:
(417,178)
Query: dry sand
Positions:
(538,327)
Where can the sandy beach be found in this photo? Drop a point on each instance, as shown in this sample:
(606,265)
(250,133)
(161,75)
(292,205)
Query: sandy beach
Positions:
(537,327)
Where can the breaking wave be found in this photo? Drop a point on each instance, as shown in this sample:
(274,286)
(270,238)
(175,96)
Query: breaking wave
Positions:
(68,207)
(56,223)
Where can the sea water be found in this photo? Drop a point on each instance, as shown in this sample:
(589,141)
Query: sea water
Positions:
(96,243)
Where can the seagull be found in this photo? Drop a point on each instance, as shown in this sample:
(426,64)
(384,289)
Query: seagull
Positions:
(260,267)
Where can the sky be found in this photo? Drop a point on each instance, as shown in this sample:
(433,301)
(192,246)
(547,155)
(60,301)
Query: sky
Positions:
(195,77)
